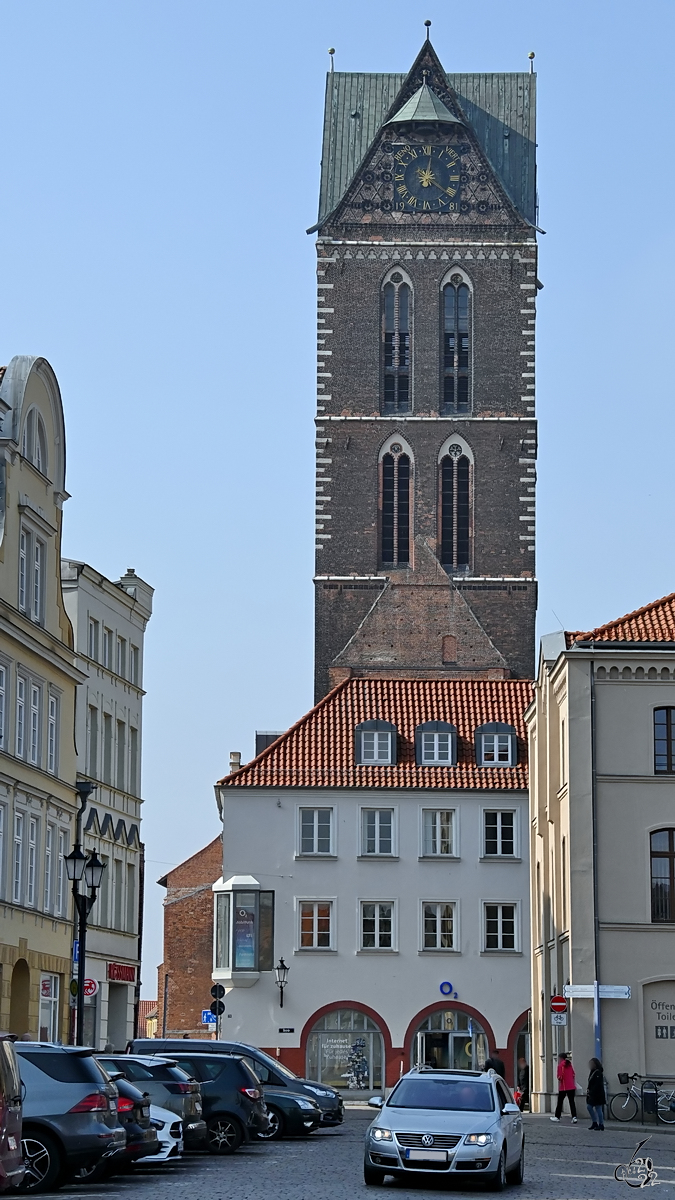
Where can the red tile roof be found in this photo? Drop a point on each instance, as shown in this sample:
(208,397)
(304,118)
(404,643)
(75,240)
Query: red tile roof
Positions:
(146,1008)
(319,750)
(653,623)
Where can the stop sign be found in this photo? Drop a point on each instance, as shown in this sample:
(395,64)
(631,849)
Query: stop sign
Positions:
(558,1004)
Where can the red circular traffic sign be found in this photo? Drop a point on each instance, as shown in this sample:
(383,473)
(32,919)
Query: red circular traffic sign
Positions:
(558,1004)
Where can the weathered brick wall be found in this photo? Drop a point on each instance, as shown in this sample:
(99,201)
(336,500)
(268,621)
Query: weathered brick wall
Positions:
(188,943)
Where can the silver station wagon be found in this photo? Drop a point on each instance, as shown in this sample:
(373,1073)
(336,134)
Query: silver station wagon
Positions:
(456,1122)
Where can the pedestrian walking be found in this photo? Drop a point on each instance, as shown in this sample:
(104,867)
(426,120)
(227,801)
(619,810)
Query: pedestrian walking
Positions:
(567,1086)
(523,1084)
(595,1094)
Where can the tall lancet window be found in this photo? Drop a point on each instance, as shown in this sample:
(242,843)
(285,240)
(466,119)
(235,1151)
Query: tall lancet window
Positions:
(455,521)
(395,507)
(456,348)
(396,344)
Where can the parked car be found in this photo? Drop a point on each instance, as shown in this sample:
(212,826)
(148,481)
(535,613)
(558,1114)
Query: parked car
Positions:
(69,1113)
(133,1111)
(12,1168)
(167,1086)
(268,1070)
(170,1133)
(291,1114)
(232,1099)
(453,1122)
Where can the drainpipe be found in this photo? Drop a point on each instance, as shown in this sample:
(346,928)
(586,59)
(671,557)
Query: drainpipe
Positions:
(596,915)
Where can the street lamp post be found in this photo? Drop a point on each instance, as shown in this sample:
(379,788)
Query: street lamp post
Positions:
(90,868)
(281,972)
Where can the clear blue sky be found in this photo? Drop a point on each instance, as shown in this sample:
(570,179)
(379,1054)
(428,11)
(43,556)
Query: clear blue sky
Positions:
(161,164)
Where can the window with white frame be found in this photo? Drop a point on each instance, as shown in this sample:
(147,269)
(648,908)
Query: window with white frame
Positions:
(375,744)
(108,649)
(500,833)
(93,639)
(32,861)
(121,656)
(496,745)
(17,859)
(20,716)
(377,831)
(34,745)
(38,580)
(32,553)
(316,924)
(500,927)
(316,830)
(377,925)
(23,568)
(438,925)
(3,704)
(60,905)
(134,664)
(52,734)
(49,1008)
(49,868)
(2,850)
(34,440)
(436,744)
(438,832)
(436,748)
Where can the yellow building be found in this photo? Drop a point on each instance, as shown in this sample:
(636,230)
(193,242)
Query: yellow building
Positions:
(38,681)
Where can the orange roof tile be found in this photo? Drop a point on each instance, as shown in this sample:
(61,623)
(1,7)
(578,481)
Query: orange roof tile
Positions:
(146,1008)
(319,750)
(653,623)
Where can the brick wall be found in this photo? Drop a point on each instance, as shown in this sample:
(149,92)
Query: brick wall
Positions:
(185,975)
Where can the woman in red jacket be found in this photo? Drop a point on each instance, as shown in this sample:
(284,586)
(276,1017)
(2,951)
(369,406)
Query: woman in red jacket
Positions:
(567,1086)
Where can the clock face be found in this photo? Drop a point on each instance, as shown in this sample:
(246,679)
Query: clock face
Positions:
(426,179)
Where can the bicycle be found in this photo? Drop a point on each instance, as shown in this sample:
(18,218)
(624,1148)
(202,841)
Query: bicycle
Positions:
(626,1106)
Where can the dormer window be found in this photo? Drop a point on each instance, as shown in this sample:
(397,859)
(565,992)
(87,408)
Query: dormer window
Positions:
(436,744)
(496,745)
(375,744)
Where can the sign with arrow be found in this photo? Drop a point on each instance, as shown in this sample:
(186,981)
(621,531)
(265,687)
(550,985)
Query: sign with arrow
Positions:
(606,991)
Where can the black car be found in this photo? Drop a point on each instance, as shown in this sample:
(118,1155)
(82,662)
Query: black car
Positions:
(168,1087)
(291,1114)
(133,1112)
(232,1098)
(268,1070)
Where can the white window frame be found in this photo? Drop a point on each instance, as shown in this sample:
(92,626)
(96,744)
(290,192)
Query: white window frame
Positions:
(435,761)
(60,900)
(37,580)
(134,664)
(393,949)
(52,733)
(34,728)
(49,867)
(24,540)
(31,864)
(315,901)
(496,738)
(378,758)
(20,732)
(424,853)
(121,657)
(499,809)
(315,853)
(17,858)
(108,648)
(485,949)
(3,704)
(93,640)
(378,853)
(455,948)
(3,822)
(49,1005)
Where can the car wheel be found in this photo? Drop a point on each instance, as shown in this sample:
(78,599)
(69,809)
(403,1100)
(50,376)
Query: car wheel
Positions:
(224,1135)
(498,1181)
(275,1129)
(517,1173)
(43,1159)
(372,1176)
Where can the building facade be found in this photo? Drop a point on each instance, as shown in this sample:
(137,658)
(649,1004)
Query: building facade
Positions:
(425,429)
(39,677)
(184,978)
(392,879)
(602,777)
(109,620)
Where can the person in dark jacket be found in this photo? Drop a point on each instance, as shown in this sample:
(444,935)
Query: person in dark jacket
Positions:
(523,1084)
(495,1063)
(595,1093)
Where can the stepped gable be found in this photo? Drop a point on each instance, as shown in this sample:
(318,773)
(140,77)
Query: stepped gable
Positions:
(319,750)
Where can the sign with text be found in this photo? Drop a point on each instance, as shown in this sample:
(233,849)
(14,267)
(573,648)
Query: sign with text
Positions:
(121,973)
(659,1028)
(606,991)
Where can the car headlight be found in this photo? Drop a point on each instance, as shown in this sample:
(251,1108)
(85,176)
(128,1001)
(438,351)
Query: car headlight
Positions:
(381,1135)
(158,1124)
(317,1091)
(478,1139)
(305,1104)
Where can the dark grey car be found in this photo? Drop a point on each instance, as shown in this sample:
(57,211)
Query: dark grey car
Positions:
(167,1087)
(69,1113)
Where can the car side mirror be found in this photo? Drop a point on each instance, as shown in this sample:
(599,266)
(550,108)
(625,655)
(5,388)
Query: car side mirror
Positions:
(375,1102)
(511,1109)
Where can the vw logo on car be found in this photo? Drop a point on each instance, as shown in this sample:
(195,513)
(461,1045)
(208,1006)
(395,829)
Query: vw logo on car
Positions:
(427,1139)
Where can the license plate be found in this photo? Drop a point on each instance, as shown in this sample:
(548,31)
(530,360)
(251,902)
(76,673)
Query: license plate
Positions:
(427,1155)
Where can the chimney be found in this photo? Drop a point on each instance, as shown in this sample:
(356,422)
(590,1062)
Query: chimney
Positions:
(235,761)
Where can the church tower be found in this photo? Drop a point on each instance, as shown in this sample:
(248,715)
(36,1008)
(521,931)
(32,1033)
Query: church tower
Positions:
(426,434)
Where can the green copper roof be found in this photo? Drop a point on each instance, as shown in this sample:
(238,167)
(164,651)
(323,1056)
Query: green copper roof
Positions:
(425,105)
(499,106)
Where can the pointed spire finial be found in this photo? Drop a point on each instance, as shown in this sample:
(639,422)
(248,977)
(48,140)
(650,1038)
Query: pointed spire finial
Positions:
(531,58)
(428,25)
(331,52)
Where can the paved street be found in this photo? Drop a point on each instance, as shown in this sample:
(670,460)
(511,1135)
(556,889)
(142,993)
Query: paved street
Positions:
(564,1162)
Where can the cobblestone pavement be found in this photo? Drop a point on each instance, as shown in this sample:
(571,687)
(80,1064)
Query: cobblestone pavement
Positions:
(564,1162)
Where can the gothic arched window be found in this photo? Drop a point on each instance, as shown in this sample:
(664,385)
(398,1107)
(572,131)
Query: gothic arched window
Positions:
(456,350)
(455,509)
(395,511)
(396,344)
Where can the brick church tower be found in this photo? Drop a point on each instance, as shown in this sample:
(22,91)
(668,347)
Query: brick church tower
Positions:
(426,433)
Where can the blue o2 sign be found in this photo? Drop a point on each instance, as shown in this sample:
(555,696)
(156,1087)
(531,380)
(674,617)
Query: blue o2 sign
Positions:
(447,990)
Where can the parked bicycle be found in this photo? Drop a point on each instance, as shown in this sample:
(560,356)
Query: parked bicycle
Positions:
(625,1106)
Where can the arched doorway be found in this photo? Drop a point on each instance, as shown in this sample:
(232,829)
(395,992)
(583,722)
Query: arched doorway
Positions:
(345,1050)
(450,1038)
(18,1005)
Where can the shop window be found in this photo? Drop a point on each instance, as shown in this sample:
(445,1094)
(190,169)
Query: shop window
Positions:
(450,1040)
(49,1008)
(345,1050)
(244,938)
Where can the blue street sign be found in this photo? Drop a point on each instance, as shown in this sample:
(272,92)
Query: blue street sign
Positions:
(76,951)
(208,1018)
